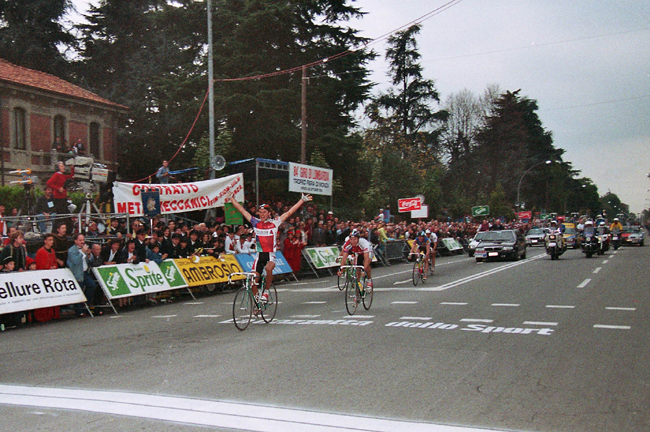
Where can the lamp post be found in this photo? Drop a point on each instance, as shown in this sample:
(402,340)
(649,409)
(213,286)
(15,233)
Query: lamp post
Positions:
(522,177)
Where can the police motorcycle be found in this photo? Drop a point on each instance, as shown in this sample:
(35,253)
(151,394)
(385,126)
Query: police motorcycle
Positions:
(554,241)
(603,238)
(589,244)
(616,235)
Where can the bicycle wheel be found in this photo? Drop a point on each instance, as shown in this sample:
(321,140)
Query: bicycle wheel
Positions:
(352,296)
(342,280)
(416,272)
(242,308)
(367,297)
(269,308)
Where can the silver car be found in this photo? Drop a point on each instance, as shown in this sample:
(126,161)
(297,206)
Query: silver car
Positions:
(536,236)
(471,247)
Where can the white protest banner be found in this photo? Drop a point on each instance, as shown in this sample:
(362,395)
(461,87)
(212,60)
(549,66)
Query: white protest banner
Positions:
(310,179)
(179,197)
(21,291)
(126,280)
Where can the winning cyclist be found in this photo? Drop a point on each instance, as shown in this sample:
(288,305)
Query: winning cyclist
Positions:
(360,246)
(266,231)
(422,241)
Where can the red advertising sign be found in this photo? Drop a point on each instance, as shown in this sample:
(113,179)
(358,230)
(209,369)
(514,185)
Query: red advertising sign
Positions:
(525,215)
(409,204)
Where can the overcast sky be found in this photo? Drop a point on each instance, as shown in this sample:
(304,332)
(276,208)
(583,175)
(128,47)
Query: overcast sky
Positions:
(586,62)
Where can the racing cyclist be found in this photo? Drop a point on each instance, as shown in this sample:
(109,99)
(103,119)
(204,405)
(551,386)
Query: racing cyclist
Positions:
(266,231)
(362,247)
(433,237)
(422,241)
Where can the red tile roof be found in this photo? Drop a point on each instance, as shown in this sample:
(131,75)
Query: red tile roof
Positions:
(14,74)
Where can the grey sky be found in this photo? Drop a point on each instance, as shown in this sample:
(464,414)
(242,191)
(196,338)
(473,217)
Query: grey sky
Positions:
(586,63)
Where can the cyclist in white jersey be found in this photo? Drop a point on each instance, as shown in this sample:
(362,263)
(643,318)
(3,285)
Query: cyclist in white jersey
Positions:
(266,231)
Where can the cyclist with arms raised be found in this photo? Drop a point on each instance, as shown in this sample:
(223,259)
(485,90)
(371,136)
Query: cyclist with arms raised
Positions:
(360,246)
(266,231)
(422,242)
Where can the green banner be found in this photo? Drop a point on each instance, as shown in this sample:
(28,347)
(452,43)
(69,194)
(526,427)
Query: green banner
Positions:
(481,211)
(323,257)
(172,273)
(233,217)
(125,280)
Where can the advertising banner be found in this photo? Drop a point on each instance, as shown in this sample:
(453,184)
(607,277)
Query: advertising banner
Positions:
(281,265)
(21,291)
(310,179)
(409,204)
(207,270)
(179,197)
(423,213)
(481,211)
(525,214)
(323,257)
(126,280)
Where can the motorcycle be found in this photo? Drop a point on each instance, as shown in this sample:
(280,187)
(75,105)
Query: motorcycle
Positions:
(590,245)
(616,239)
(555,245)
(603,243)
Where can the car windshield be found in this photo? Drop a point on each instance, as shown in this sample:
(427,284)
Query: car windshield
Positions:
(570,230)
(535,231)
(499,236)
(480,235)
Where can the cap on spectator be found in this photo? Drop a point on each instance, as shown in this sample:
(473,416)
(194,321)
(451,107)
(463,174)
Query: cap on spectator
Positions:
(8,259)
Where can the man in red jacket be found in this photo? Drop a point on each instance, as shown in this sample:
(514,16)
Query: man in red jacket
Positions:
(59,192)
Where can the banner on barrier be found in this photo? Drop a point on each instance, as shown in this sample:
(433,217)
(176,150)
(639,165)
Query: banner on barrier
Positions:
(179,197)
(281,265)
(125,280)
(208,270)
(323,257)
(21,291)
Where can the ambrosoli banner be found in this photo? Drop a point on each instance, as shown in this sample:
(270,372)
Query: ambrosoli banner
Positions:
(206,270)
(28,290)
(179,197)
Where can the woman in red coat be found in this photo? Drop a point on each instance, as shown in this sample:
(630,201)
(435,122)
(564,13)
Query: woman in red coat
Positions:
(46,260)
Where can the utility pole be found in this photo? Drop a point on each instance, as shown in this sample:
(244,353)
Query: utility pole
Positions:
(210,87)
(303,118)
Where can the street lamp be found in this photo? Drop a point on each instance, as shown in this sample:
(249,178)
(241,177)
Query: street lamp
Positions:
(522,177)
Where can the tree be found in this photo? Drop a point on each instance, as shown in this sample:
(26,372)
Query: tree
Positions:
(31,35)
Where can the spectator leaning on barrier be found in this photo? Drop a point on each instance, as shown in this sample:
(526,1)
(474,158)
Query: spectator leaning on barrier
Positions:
(78,265)
(111,253)
(16,250)
(61,244)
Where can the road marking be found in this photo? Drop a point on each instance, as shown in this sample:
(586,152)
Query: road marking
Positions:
(358,316)
(477,320)
(584,283)
(454,303)
(402,282)
(505,304)
(207,316)
(304,316)
(606,261)
(621,308)
(560,306)
(194,303)
(596,270)
(315,302)
(542,323)
(404,302)
(612,327)
(406,318)
(164,316)
(208,413)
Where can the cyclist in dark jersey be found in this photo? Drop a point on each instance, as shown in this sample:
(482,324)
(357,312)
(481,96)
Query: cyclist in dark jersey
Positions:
(423,243)
(266,231)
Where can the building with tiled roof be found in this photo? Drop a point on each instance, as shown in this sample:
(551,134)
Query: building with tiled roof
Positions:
(40,112)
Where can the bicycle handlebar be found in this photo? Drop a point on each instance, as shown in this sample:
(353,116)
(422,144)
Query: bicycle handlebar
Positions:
(247,274)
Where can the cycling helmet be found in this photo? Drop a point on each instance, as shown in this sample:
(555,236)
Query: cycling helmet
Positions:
(553,222)
(355,233)
(428,231)
(422,234)
(265,207)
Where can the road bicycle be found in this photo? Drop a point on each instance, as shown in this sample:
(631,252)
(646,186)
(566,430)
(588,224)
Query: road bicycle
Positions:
(356,288)
(343,279)
(246,304)
(418,268)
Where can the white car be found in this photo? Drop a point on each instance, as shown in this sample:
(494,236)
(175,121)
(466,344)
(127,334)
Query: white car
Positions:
(471,247)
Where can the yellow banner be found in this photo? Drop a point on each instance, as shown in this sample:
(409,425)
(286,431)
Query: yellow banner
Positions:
(208,270)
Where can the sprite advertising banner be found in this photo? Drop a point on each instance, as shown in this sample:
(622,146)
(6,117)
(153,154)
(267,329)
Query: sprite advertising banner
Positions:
(322,257)
(126,280)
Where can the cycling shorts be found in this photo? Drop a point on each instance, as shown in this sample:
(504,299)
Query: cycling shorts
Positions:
(262,259)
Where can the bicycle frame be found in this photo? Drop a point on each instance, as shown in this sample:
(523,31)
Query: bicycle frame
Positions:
(246,304)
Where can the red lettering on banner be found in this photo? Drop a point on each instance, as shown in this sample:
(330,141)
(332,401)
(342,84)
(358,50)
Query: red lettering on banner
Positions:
(121,207)
(409,204)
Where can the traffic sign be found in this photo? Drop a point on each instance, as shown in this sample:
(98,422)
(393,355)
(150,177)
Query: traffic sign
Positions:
(481,211)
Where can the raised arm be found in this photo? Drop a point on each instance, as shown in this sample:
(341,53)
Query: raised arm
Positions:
(240,208)
(305,198)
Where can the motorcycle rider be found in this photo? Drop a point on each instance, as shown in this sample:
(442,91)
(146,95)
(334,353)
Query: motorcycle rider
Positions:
(554,229)
(616,225)
(589,230)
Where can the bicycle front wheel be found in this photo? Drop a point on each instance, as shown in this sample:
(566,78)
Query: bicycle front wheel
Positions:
(352,296)
(341,280)
(367,297)
(416,273)
(242,308)
(269,308)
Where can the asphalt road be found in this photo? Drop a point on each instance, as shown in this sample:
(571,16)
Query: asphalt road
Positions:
(533,345)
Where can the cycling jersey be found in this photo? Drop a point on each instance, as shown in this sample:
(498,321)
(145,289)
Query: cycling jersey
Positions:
(363,246)
(421,241)
(266,233)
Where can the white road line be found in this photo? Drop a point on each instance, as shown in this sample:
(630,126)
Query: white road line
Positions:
(596,270)
(541,323)
(409,318)
(207,316)
(606,261)
(584,283)
(560,306)
(164,316)
(612,327)
(404,302)
(621,308)
(304,316)
(477,320)
(454,303)
(358,316)
(402,282)
(505,304)
(315,302)
(194,303)
(208,413)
